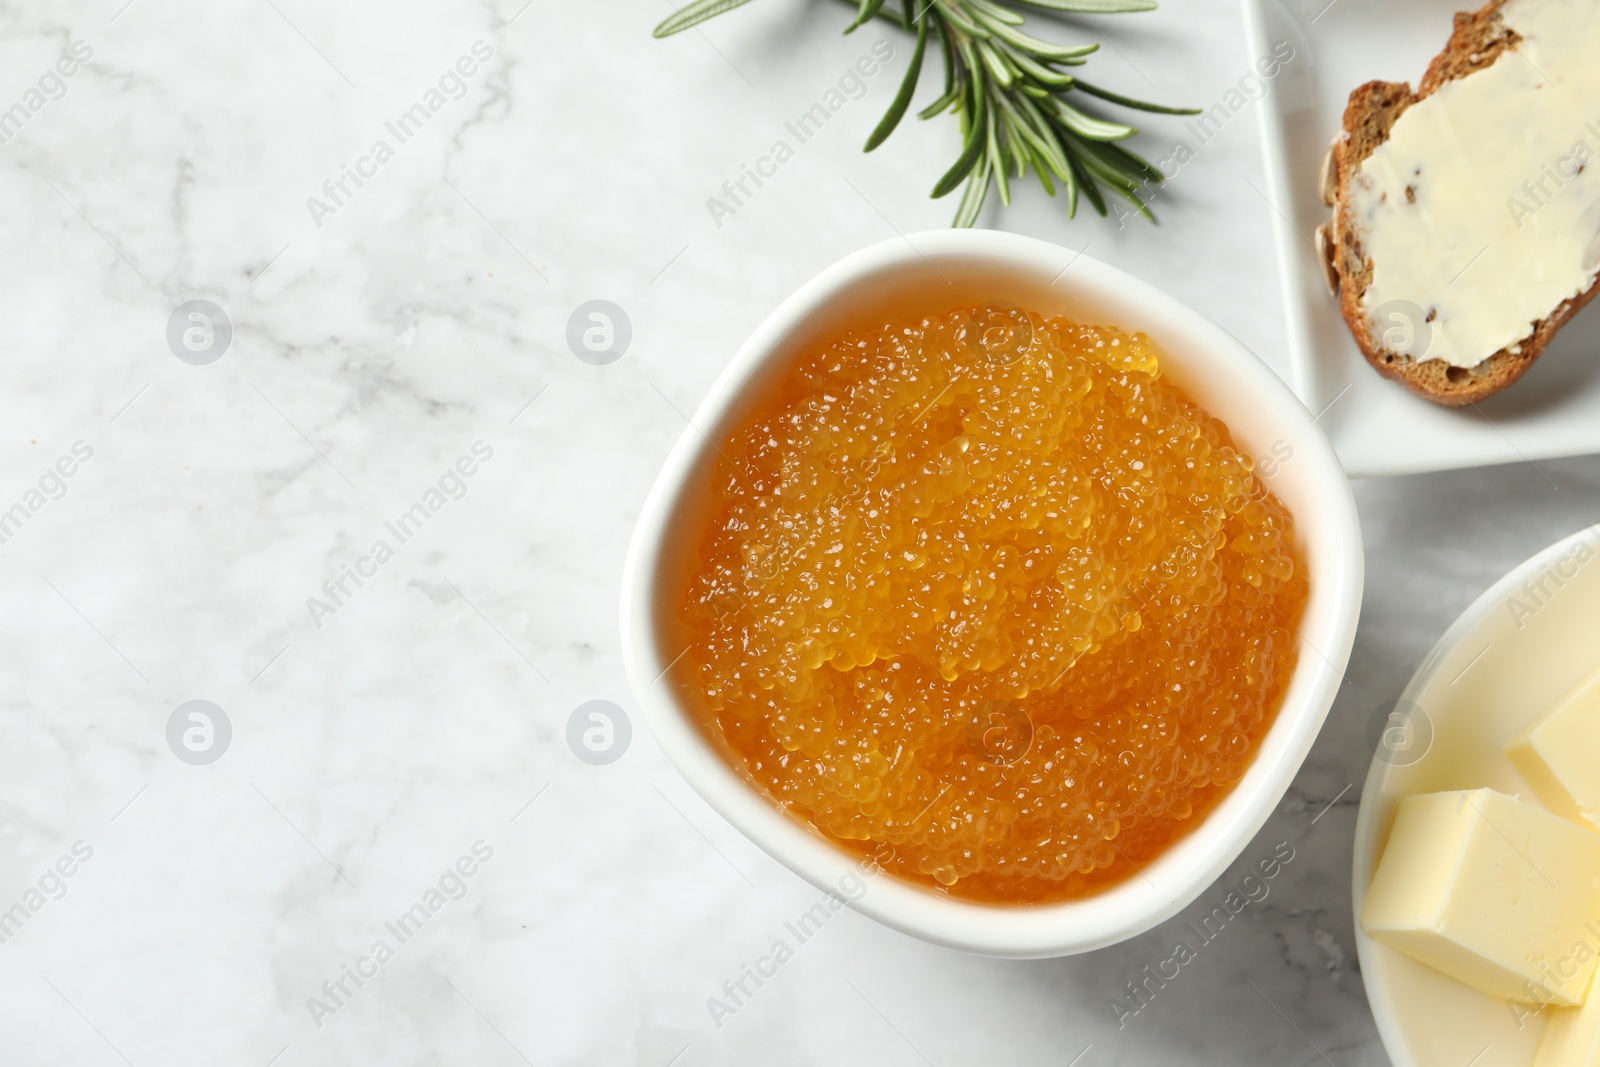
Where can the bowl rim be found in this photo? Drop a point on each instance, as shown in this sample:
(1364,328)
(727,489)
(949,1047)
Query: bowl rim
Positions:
(1473,618)
(1196,860)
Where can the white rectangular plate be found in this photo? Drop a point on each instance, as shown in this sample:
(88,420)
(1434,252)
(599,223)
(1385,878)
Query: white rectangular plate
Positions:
(1376,426)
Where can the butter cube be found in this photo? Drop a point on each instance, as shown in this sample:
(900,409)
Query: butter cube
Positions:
(1572,1036)
(1492,891)
(1560,755)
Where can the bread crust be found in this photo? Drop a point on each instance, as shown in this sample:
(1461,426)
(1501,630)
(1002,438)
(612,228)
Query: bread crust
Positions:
(1476,41)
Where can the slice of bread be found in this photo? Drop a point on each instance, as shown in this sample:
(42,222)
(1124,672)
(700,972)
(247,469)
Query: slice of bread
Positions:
(1478,40)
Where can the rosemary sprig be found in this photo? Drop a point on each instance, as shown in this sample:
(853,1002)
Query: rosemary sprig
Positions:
(1013,94)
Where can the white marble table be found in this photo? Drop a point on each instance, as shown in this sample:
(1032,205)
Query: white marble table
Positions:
(215,911)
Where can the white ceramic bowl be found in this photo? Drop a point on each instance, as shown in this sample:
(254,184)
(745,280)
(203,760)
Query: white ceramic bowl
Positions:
(1521,646)
(933,272)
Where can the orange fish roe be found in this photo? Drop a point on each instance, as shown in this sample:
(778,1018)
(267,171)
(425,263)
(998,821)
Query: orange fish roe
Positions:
(989,600)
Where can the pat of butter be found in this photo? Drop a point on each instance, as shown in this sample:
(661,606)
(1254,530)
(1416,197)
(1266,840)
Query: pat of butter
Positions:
(1571,1037)
(1492,891)
(1480,210)
(1560,755)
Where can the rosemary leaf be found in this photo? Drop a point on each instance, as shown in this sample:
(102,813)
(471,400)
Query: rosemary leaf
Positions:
(940,104)
(974,146)
(972,200)
(1089,127)
(1093,7)
(1044,174)
(902,99)
(994,59)
(1091,191)
(956,15)
(986,9)
(1134,164)
(694,14)
(997,163)
(1028,43)
(868,11)
(1125,101)
(1071,187)
(1041,73)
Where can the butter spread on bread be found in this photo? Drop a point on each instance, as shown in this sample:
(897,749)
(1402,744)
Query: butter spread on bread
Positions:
(1466,214)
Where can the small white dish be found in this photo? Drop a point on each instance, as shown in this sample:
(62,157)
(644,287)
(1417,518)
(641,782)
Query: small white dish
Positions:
(1520,647)
(1376,426)
(934,272)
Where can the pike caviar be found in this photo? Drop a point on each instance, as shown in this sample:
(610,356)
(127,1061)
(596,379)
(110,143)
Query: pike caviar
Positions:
(988,600)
